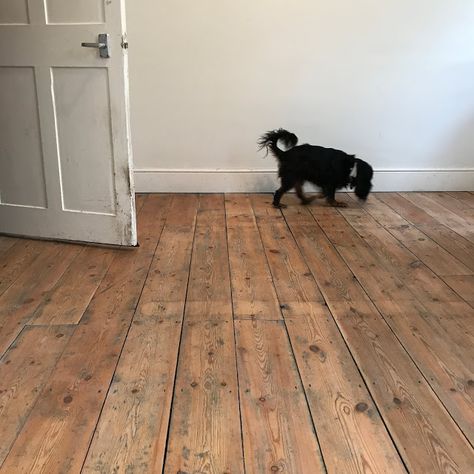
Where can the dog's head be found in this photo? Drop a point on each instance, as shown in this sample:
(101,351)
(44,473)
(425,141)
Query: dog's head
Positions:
(362,182)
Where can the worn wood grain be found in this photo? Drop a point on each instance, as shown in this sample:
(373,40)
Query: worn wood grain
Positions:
(361,257)
(165,291)
(132,430)
(450,240)
(277,431)
(205,433)
(335,281)
(441,366)
(6,243)
(17,260)
(19,302)
(433,255)
(57,433)
(465,197)
(291,277)
(352,435)
(66,302)
(24,369)
(463,285)
(252,289)
(131,433)
(462,209)
(209,293)
(368,368)
(443,215)
(446,358)
(427,438)
(387,254)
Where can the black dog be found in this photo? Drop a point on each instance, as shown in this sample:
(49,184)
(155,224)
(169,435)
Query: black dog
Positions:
(327,168)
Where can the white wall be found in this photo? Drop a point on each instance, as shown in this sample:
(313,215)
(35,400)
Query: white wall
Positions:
(392,81)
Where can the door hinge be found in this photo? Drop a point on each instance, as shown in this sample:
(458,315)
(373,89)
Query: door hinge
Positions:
(124,42)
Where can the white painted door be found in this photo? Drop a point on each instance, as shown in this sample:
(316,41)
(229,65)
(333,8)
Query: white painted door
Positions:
(65,154)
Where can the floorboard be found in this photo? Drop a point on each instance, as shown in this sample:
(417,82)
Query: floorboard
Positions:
(24,370)
(400,390)
(132,430)
(239,338)
(56,435)
(20,301)
(206,380)
(350,430)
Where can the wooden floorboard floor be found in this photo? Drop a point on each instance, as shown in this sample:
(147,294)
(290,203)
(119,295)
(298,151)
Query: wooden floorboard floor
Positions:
(239,338)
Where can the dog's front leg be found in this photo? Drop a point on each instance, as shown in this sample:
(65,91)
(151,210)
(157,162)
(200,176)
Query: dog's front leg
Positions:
(277,197)
(285,187)
(331,198)
(303,198)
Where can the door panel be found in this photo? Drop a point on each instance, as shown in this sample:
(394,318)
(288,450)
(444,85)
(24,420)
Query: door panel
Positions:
(65,154)
(21,166)
(83,11)
(81,96)
(14,11)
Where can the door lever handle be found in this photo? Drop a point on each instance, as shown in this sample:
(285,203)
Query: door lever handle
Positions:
(94,45)
(102,45)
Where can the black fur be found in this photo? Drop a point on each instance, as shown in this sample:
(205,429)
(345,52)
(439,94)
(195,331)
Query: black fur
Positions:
(327,168)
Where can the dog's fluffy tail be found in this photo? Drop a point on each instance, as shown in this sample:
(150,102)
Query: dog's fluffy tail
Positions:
(270,141)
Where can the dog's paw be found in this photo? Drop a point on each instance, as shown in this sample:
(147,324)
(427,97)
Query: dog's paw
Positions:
(308,200)
(336,204)
(280,206)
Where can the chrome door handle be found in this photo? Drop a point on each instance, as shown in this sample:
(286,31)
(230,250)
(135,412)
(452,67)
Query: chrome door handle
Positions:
(102,45)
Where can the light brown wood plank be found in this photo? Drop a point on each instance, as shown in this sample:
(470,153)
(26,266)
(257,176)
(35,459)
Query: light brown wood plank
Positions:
(427,437)
(67,301)
(442,215)
(18,259)
(132,430)
(139,202)
(19,302)
(205,431)
(252,288)
(430,345)
(277,431)
(335,281)
(291,277)
(131,434)
(56,436)
(24,369)
(464,197)
(379,282)
(360,232)
(456,245)
(352,435)
(6,243)
(209,295)
(445,358)
(433,255)
(464,210)
(463,285)
(164,294)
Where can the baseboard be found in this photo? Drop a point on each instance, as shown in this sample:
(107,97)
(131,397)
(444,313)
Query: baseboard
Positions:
(246,181)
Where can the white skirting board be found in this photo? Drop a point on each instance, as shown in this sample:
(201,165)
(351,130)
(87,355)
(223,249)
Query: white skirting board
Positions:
(253,181)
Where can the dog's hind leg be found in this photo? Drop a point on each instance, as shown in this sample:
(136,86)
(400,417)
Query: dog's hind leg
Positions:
(299,192)
(285,187)
(330,194)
